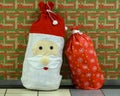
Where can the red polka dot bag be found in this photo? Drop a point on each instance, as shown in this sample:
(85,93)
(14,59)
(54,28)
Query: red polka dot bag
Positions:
(85,70)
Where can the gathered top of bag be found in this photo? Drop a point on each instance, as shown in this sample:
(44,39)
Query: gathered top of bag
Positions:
(49,22)
(47,9)
(75,29)
(46,6)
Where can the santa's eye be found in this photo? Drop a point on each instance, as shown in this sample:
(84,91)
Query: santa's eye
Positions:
(51,47)
(40,47)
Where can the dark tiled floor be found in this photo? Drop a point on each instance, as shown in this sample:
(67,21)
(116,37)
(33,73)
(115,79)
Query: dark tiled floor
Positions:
(77,92)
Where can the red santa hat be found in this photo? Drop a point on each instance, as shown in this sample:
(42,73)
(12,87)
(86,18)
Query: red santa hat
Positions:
(49,22)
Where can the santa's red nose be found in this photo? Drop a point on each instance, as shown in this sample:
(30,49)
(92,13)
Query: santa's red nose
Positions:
(45,68)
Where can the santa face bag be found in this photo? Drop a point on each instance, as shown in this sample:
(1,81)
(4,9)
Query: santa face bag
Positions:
(86,72)
(43,57)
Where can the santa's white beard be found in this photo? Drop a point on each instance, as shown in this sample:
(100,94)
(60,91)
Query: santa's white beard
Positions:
(54,62)
(34,76)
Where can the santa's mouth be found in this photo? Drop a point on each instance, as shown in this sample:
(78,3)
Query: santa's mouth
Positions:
(45,68)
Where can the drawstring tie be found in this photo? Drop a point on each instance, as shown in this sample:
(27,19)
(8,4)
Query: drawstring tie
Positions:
(54,22)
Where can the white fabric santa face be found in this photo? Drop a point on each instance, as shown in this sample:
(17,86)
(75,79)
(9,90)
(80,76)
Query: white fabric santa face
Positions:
(43,57)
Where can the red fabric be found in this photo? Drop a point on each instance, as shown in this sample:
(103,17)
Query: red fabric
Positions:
(43,7)
(86,72)
(45,24)
(74,28)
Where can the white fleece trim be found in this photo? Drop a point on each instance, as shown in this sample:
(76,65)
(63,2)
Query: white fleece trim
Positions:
(76,31)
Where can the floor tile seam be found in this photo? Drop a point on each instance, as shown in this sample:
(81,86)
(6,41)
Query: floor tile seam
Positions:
(37,93)
(5,92)
(102,92)
(70,92)
(22,93)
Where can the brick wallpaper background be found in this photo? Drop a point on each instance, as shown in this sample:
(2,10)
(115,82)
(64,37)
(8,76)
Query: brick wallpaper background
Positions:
(100,19)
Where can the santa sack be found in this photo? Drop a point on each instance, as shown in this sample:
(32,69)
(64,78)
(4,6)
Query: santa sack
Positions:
(43,57)
(85,70)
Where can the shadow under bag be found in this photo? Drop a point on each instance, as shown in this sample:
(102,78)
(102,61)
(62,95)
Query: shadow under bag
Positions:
(86,72)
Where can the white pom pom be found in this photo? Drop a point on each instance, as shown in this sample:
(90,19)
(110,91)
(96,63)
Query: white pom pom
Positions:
(55,22)
(66,28)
